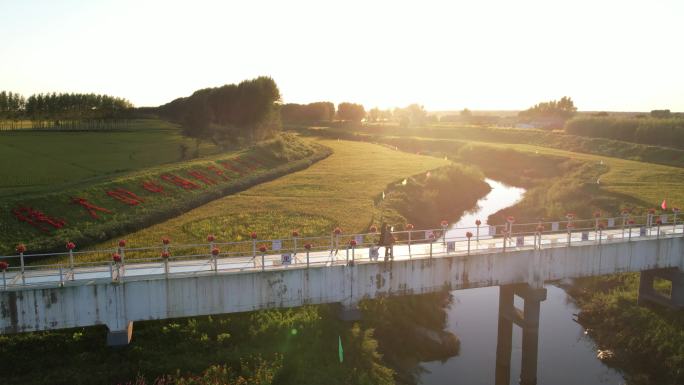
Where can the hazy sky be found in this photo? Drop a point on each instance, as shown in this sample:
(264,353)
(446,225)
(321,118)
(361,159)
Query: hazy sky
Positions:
(507,54)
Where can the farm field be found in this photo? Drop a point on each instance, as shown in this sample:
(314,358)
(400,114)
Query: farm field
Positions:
(337,191)
(36,161)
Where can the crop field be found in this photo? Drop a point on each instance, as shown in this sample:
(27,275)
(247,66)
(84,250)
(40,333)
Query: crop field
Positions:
(337,191)
(36,161)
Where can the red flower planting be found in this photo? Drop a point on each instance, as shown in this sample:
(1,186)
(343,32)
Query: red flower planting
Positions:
(201,177)
(232,168)
(307,246)
(263,249)
(37,219)
(153,187)
(70,246)
(210,238)
(116,258)
(215,251)
(166,240)
(217,171)
(295,233)
(180,182)
(91,208)
(478,222)
(125,196)
(21,248)
(165,254)
(352,243)
(4,266)
(122,243)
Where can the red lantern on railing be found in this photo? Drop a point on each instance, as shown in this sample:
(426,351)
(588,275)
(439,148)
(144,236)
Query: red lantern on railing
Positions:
(21,248)
(70,246)
(601,225)
(540,228)
(295,233)
(337,231)
(165,254)
(597,214)
(631,221)
(444,223)
(409,226)
(510,219)
(263,248)
(253,235)
(116,258)
(352,243)
(215,251)
(166,240)
(469,235)
(4,266)
(478,222)
(659,221)
(373,229)
(122,243)
(307,246)
(211,238)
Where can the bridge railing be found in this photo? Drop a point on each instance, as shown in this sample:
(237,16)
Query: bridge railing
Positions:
(334,248)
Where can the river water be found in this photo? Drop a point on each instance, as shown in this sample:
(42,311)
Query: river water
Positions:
(566,355)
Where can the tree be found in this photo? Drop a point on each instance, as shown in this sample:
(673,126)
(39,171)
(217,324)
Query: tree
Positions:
(350,112)
(552,114)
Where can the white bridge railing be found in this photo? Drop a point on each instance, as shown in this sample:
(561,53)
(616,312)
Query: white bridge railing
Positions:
(123,262)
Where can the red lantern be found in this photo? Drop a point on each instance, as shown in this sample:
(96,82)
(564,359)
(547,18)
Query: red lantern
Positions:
(601,225)
(631,221)
(432,237)
(210,238)
(253,235)
(165,254)
(444,223)
(659,221)
(295,233)
(540,229)
(307,246)
(338,231)
(166,240)
(70,246)
(373,229)
(21,248)
(478,222)
(262,248)
(116,258)
(215,251)
(597,214)
(409,226)
(4,266)
(122,243)
(510,219)
(352,243)
(469,235)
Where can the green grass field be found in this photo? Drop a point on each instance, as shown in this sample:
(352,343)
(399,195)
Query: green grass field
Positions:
(337,191)
(37,161)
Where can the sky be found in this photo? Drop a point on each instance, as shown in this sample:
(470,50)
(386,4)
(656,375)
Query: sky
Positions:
(446,55)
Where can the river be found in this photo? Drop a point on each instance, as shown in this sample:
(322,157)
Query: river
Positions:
(566,355)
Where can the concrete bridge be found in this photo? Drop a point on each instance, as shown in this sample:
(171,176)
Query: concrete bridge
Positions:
(336,269)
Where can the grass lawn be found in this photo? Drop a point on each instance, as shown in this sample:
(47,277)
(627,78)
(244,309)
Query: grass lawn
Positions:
(36,161)
(337,191)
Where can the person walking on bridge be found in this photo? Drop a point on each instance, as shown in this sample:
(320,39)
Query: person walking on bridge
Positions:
(387,240)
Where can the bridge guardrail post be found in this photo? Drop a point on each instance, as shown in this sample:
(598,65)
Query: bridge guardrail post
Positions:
(4,279)
(21,260)
(675,211)
(61,276)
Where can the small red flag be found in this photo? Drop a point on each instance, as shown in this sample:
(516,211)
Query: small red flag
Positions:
(663,205)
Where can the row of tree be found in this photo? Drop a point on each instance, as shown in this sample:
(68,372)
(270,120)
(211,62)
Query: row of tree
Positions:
(63,110)
(248,110)
(551,114)
(668,132)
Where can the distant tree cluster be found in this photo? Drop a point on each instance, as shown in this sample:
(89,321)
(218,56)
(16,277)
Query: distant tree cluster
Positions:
(64,110)
(307,113)
(667,132)
(351,112)
(552,114)
(248,110)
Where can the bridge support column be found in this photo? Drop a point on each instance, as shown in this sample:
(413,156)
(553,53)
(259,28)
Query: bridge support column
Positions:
(648,294)
(528,320)
(120,337)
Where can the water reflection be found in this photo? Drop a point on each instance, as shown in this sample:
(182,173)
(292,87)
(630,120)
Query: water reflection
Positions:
(495,351)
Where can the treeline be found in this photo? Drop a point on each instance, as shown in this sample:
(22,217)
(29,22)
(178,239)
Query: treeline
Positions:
(293,113)
(232,112)
(668,132)
(62,111)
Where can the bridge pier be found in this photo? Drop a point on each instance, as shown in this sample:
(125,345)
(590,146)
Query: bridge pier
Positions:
(648,294)
(118,336)
(528,320)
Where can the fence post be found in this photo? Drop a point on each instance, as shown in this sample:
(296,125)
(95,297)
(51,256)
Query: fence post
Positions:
(307,259)
(4,280)
(61,276)
(21,259)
